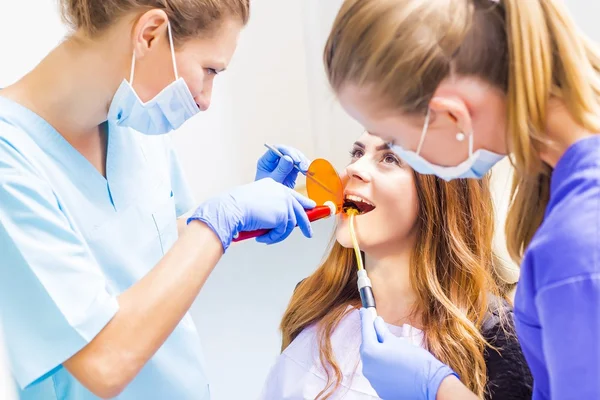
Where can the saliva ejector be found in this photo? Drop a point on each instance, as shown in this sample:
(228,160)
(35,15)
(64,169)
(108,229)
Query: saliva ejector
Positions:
(319,212)
(365,288)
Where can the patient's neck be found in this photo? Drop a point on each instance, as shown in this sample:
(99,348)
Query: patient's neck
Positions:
(394,296)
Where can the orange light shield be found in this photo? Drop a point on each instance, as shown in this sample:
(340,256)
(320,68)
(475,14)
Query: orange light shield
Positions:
(324,184)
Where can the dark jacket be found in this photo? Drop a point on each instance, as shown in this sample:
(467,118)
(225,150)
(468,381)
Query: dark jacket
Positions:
(509,377)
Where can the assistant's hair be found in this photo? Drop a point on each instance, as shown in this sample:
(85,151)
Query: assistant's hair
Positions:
(454,272)
(530,49)
(188,18)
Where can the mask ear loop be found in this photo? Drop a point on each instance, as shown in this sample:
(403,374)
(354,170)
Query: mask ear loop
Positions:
(470,145)
(172,50)
(424,132)
(131,74)
(132,68)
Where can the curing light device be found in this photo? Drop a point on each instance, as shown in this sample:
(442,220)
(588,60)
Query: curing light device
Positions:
(317,213)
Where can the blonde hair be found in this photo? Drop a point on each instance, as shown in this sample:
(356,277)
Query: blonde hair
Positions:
(532,50)
(188,18)
(453,271)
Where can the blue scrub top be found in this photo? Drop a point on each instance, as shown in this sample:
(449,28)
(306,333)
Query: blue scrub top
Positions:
(71,241)
(557,305)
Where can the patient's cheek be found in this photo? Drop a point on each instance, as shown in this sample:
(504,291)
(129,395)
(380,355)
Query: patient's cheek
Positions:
(342,234)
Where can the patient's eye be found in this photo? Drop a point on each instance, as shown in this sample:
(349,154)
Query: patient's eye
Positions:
(357,153)
(391,158)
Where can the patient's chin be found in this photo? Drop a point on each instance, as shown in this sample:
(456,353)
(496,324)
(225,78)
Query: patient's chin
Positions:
(342,235)
(345,243)
(368,240)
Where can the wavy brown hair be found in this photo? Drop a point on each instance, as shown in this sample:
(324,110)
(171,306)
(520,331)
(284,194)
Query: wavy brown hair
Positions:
(530,49)
(453,271)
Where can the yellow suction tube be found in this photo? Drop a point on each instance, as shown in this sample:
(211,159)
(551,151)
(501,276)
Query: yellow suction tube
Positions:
(351,212)
(364,283)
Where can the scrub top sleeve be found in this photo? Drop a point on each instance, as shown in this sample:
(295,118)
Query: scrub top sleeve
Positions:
(53,296)
(570,323)
(184,199)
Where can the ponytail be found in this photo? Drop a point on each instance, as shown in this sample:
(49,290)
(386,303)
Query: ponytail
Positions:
(548,57)
(78,14)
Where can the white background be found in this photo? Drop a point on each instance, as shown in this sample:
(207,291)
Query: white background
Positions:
(274,91)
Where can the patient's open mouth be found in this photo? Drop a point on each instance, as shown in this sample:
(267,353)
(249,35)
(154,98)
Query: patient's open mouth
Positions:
(358,203)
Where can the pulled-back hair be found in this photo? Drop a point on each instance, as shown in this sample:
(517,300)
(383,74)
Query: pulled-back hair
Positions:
(188,18)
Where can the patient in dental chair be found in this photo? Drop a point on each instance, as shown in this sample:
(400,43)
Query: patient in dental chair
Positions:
(427,247)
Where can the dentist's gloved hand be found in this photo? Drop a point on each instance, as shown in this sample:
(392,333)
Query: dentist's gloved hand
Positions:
(263,204)
(396,368)
(281,169)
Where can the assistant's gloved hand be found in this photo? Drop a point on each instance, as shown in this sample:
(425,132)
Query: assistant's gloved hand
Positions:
(396,368)
(263,204)
(281,169)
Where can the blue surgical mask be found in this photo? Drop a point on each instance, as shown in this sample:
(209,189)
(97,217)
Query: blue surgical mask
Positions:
(476,166)
(167,111)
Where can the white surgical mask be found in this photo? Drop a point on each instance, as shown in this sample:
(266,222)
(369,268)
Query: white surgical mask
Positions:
(476,166)
(167,111)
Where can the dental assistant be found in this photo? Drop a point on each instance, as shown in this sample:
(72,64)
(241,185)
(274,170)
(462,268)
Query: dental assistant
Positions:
(95,283)
(454,86)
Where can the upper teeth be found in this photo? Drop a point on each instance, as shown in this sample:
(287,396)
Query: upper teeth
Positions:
(352,197)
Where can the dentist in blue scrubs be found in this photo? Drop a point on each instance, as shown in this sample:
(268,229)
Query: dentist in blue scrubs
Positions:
(95,282)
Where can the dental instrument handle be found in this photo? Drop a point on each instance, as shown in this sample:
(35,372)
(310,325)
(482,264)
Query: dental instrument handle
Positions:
(280,155)
(305,173)
(366,292)
(317,213)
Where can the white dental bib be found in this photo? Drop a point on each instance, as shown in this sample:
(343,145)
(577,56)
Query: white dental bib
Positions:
(298,373)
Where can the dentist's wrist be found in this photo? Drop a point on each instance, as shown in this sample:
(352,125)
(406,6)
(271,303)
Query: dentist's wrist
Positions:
(198,229)
(222,215)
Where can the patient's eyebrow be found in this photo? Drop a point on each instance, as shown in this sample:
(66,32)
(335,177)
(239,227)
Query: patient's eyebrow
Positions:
(381,147)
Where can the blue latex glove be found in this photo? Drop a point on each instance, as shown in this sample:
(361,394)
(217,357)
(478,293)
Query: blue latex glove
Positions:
(396,368)
(281,169)
(263,204)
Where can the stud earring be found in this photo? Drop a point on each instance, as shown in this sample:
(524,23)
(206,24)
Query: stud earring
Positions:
(460,136)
